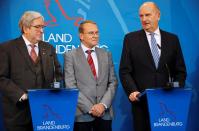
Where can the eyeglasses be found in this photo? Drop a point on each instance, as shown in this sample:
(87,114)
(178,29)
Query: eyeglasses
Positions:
(92,33)
(38,26)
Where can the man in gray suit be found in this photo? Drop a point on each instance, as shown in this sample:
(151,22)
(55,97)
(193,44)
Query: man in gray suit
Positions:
(91,70)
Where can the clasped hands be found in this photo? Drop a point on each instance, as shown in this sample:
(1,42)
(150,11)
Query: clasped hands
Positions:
(97,110)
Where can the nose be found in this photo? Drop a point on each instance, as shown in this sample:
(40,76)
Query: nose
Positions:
(143,18)
(41,30)
(96,34)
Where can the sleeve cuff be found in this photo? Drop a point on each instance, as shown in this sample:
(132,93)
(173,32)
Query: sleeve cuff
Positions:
(104,106)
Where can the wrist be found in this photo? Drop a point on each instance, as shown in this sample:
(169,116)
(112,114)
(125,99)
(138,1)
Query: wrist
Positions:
(104,105)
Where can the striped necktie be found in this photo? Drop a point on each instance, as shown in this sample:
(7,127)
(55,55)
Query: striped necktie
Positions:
(33,54)
(91,63)
(154,50)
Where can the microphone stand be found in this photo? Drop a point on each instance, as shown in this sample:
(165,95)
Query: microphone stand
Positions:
(171,84)
(55,84)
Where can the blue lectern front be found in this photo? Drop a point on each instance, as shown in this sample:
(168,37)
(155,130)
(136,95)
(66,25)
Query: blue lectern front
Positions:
(168,109)
(53,109)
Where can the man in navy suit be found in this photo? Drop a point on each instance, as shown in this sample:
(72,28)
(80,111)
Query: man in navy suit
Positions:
(149,58)
(25,63)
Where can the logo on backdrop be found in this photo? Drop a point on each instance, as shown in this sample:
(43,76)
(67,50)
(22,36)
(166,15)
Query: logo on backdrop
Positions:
(51,120)
(64,42)
(167,117)
(53,20)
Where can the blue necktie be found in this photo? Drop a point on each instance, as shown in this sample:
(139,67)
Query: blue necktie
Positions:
(154,50)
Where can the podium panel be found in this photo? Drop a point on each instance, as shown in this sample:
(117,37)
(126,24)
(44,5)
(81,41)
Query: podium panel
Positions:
(168,109)
(53,109)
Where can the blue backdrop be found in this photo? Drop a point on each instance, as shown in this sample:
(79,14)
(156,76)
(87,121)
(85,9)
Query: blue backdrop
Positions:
(115,18)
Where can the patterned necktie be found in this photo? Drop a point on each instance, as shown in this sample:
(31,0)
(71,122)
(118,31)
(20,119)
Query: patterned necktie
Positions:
(154,50)
(33,54)
(91,63)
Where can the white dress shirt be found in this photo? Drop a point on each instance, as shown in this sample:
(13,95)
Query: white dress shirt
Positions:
(157,36)
(27,42)
(93,54)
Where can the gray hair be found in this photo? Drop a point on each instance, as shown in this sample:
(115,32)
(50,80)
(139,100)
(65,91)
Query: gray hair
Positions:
(27,19)
(153,3)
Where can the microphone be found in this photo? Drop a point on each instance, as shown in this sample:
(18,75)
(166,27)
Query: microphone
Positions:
(55,83)
(170,83)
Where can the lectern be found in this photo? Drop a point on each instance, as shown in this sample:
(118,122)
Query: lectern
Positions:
(168,109)
(53,109)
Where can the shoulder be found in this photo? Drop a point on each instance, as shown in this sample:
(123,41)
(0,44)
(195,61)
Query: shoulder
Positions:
(10,44)
(101,50)
(12,41)
(72,52)
(168,34)
(135,34)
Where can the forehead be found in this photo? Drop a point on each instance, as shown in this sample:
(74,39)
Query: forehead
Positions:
(147,8)
(89,27)
(38,21)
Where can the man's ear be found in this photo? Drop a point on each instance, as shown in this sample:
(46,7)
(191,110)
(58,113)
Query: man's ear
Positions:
(81,36)
(25,29)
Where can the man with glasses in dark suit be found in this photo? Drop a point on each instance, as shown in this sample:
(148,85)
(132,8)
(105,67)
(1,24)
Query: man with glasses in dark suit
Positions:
(25,63)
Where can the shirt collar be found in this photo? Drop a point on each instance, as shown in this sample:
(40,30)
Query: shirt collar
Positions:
(86,48)
(156,32)
(27,42)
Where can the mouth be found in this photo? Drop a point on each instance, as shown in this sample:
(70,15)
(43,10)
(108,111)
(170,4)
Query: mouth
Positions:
(95,40)
(145,23)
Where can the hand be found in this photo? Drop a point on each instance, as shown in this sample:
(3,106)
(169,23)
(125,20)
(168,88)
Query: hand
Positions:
(134,96)
(97,110)
(23,97)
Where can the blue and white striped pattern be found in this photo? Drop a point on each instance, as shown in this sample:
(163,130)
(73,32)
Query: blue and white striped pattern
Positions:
(154,50)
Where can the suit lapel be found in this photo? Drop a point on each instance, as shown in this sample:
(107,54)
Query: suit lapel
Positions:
(99,61)
(21,46)
(163,48)
(43,56)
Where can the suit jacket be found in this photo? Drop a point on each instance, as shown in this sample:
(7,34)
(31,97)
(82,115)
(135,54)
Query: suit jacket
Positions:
(78,74)
(137,68)
(17,75)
